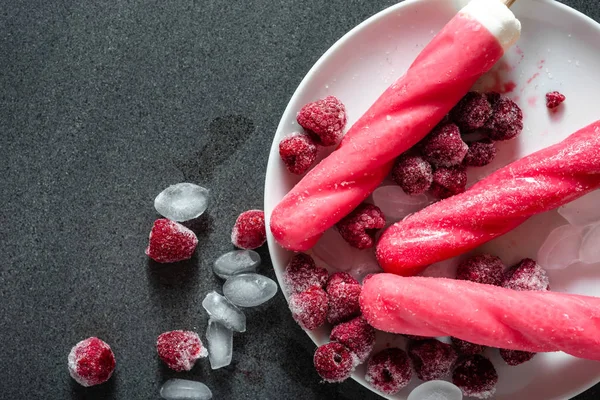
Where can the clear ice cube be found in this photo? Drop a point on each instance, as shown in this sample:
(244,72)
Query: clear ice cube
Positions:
(220,344)
(436,390)
(236,262)
(334,251)
(222,310)
(589,252)
(395,204)
(182,389)
(561,247)
(182,202)
(249,290)
(583,211)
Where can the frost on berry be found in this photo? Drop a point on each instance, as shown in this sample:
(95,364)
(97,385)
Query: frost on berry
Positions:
(357,335)
(170,242)
(431,359)
(515,357)
(526,275)
(249,230)
(480,153)
(389,371)
(344,292)
(298,152)
(302,273)
(360,226)
(444,147)
(449,181)
(554,99)
(475,376)
(334,362)
(180,349)
(506,121)
(413,174)
(484,268)
(325,118)
(471,112)
(309,308)
(467,348)
(91,362)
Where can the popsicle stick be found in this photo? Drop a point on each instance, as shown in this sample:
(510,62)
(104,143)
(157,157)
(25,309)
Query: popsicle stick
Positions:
(509,3)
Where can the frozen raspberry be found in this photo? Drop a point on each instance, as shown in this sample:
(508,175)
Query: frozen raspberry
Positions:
(91,362)
(526,275)
(431,359)
(249,230)
(389,371)
(554,99)
(448,182)
(413,174)
(326,118)
(444,147)
(484,268)
(357,335)
(515,357)
(506,121)
(309,308)
(180,349)
(170,242)
(334,362)
(360,226)
(302,273)
(467,348)
(471,112)
(417,338)
(343,291)
(298,151)
(475,376)
(480,153)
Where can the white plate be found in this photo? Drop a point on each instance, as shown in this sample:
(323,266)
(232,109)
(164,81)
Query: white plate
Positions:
(559,50)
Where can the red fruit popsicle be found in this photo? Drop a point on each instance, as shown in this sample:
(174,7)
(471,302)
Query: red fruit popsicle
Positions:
(495,205)
(535,321)
(467,47)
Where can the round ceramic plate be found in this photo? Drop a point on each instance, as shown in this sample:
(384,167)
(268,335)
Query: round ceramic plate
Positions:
(559,50)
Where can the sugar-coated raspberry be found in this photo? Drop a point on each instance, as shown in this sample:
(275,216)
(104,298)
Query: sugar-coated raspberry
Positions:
(506,121)
(413,174)
(170,242)
(431,358)
(298,152)
(480,153)
(449,181)
(302,273)
(554,99)
(180,349)
(444,147)
(334,362)
(417,338)
(360,226)
(483,268)
(249,231)
(476,376)
(526,275)
(471,112)
(309,308)
(91,362)
(467,348)
(515,357)
(389,371)
(326,118)
(357,335)
(344,292)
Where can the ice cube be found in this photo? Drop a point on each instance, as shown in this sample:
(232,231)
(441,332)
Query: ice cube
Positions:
(236,262)
(249,290)
(222,310)
(220,344)
(583,211)
(182,202)
(589,252)
(335,251)
(395,204)
(442,269)
(182,389)
(436,390)
(364,264)
(561,247)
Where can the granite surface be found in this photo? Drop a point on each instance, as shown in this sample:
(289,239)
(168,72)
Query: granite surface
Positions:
(102,105)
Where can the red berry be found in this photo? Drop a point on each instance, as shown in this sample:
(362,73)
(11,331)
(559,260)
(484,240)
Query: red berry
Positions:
(413,174)
(526,275)
(444,147)
(431,359)
(417,338)
(471,112)
(170,242)
(302,273)
(359,227)
(389,371)
(449,181)
(309,308)
(249,230)
(515,357)
(467,348)
(357,335)
(91,362)
(326,118)
(554,99)
(298,151)
(344,292)
(475,376)
(180,349)
(480,153)
(484,268)
(506,121)
(334,362)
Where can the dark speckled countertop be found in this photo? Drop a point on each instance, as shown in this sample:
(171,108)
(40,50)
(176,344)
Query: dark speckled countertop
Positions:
(102,105)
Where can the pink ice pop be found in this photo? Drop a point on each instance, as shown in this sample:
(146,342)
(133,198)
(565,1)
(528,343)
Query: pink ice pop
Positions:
(467,47)
(484,314)
(495,205)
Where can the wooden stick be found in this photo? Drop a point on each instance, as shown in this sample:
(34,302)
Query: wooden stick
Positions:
(509,3)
